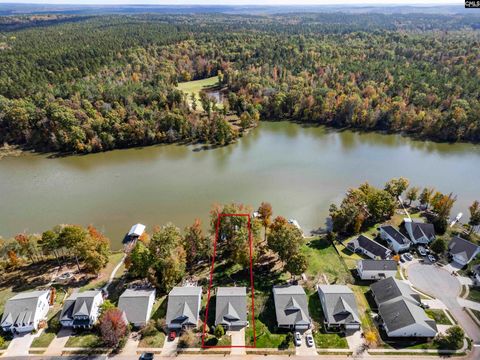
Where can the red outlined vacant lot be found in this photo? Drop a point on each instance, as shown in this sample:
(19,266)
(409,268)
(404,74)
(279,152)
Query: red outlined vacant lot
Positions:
(217,236)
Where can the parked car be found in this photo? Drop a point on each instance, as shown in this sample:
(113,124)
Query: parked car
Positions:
(309,340)
(172,335)
(408,256)
(298,339)
(432,258)
(402,258)
(146,356)
(421,250)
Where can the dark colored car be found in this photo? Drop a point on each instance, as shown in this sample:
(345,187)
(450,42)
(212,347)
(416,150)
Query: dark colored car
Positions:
(147,356)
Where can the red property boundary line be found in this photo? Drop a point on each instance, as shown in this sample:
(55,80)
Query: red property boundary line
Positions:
(217,230)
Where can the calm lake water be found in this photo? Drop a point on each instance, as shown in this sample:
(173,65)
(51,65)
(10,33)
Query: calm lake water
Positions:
(300,170)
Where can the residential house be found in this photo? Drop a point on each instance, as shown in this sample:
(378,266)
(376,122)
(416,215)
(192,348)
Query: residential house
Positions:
(376,269)
(419,232)
(184,307)
(24,311)
(462,251)
(137,305)
(81,310)
(400,310)
(339,307)
(291,307)
(397,241)
(368,247)
(231,307)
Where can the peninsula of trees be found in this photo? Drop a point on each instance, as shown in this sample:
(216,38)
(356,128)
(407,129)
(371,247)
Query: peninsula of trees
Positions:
(86,84)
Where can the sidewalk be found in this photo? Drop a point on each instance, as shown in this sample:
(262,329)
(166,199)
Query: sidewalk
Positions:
(469,303)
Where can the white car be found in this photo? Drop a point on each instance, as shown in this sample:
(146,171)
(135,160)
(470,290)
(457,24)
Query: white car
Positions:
(298,339)
(309,340)
(432,258)
(422,251)
(408,256)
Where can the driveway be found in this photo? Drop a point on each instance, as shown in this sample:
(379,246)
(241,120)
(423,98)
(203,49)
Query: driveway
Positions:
(170,347)
(303,349)
(238,339)
(441,284)
(58,342)
(20,345)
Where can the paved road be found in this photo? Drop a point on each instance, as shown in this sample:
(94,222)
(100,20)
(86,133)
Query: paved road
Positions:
(474,355)
(440,283)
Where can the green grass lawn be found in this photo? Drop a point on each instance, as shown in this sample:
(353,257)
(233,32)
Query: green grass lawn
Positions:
(5,294)
(323,259)
(474,294)
(43,340)
(84,340)
(104,274)
(195,86)
(265,339)
(211,340)
(153,341)
(439,316)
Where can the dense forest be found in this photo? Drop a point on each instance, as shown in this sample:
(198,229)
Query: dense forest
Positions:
(85,84)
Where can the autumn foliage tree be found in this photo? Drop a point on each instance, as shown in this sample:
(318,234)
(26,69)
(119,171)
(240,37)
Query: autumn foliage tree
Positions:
(113,327)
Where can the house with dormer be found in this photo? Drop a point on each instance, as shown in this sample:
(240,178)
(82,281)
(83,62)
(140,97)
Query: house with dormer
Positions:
(231,307)
(81,310)
(24,311)
(339,307)
(291,307)
(184,307)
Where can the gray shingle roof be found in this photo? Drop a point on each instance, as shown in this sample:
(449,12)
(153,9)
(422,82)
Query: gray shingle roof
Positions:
(135,304)
(390,289)
(291,305)
(400,313)
(461,247)
(339,306)
(370,245)
(395,234)
(78,304)
(231,306)
(380,265)
(20,309)
(183,306)
(420,229)
(398,305)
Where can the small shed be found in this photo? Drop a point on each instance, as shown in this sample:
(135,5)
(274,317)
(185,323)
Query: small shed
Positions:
(136,231)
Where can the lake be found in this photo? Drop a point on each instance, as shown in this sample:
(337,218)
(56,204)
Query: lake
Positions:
(300,170)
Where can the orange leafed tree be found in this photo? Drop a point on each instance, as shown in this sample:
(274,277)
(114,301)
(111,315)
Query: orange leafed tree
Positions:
(113,327)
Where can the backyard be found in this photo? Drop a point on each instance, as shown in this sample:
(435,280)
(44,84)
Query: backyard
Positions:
(196,86)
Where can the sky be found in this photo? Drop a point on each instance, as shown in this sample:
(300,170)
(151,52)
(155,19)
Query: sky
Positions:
(239,2)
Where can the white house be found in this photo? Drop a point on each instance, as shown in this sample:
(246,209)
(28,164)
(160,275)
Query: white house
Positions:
(462,251)
(419,232)
(24,311)
(376,269)
(397,241)
(400,311)
(81,310)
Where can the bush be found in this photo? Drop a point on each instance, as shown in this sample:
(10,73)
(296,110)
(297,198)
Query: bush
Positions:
(219,331)
(186,340)
(161,325)
(2,342)
(453,338)
(438,246)
(149,329)
(287,341)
